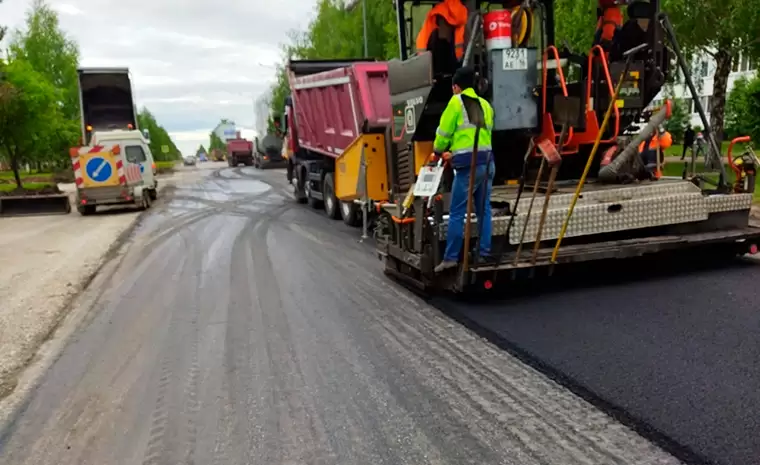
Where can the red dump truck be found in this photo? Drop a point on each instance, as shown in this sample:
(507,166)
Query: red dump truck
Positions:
(239,150)
(334,106)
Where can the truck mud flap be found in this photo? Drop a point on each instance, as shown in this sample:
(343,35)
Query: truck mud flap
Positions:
(26,205)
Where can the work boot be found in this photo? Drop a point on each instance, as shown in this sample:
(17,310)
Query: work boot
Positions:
(445,265)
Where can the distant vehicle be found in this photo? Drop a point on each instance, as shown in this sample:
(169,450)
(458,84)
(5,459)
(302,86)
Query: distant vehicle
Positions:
(189,160)
(239,150)
(267,152)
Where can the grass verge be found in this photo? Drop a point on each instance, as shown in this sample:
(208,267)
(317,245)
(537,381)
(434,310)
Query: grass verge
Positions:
(165,167)
(9,187)
(676,169)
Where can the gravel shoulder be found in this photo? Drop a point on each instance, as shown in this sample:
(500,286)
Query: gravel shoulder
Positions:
(45,261)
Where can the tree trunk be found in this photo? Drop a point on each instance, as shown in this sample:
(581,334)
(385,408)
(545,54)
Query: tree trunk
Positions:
(718,100)
(16,175)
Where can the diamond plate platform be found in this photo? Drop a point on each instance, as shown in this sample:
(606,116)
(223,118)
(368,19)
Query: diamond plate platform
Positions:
(617,209)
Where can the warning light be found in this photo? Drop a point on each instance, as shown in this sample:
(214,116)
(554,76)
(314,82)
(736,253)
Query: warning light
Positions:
(89,128)
(753,249)
(129,126)
(488,284)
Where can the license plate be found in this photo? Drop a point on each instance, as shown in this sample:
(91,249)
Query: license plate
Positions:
(515,59)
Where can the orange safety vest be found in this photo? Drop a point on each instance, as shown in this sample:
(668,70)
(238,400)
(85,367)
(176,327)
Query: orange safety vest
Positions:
(455,14)
(610,21)
(663,141)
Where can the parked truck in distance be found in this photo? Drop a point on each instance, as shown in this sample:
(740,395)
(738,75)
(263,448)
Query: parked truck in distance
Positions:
(239,150)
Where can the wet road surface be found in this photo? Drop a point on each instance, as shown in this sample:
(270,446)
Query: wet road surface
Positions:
(240,328)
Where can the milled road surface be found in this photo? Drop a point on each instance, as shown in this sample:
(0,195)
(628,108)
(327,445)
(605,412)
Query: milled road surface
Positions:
(241,328)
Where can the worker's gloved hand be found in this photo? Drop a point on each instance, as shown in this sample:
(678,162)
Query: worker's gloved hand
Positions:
(446,156)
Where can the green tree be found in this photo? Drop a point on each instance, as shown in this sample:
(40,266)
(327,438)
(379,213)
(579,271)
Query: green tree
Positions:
(159,137)
(679,118)
(337,32)
(216,143)
(743,109)
(44,45)
(29,115)
(722,30)
(575,24)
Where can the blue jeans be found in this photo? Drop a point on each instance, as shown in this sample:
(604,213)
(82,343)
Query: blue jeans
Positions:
(458,210)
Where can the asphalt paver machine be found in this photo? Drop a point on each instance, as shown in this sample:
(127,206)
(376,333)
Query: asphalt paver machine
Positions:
(569,183)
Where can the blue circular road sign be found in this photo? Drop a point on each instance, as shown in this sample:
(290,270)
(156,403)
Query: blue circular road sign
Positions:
(98,169)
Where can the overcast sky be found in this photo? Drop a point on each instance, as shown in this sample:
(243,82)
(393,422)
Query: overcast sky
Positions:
(192,61)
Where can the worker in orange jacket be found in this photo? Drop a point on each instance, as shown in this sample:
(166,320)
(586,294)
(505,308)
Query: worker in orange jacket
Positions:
(610,21)
(648,150)
(454,14)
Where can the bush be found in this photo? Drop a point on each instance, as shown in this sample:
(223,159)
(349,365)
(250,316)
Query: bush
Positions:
(743,109)
(165,167)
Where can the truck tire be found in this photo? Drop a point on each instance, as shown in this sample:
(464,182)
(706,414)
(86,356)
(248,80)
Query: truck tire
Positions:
(351,213)
(153,194)
(145,201)
(332,205)
(299,193)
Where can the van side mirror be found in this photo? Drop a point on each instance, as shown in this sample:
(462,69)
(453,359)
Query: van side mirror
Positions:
(146,134)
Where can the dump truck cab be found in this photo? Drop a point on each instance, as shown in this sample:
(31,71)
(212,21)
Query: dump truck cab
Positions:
(556,112)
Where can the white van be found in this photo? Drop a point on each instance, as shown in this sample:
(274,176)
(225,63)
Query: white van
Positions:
(116,168)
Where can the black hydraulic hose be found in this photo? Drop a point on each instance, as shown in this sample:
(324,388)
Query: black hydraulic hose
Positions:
(609,173)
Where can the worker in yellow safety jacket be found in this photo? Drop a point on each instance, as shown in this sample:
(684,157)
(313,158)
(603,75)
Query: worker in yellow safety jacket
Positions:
(455,141)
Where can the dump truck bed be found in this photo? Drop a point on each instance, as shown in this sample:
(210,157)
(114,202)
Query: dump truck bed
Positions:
(241,146)
(335,101)
(106,100)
